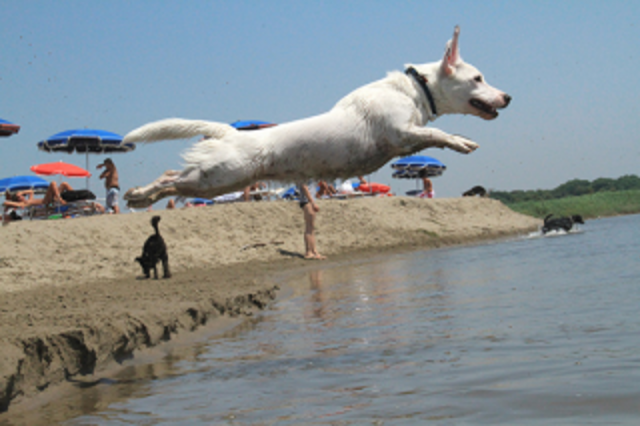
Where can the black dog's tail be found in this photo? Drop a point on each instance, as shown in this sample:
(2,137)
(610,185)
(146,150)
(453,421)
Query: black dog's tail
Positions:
(546,218)
(154,223)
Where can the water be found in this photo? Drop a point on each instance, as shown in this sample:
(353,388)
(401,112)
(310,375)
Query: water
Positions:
(539,330)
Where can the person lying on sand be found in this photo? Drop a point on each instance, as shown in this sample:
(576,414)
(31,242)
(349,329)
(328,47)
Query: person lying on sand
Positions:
(325,190)
(246,196)
(23,199)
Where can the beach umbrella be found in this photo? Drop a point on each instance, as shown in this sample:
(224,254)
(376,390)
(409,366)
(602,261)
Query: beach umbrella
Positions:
(7,128)
(23,183)
(86,141)
(251,124)
(417,167)
(60,168)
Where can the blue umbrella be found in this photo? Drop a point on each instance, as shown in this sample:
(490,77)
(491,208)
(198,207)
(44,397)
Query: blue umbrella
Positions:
(201,202)
(290,194)
(85,141)
(417,166)
(251,124)
(22,183)
(7,128)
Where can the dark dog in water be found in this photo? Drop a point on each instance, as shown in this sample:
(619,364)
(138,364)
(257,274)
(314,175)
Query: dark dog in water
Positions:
(558,223)
(476,190)
(154,251)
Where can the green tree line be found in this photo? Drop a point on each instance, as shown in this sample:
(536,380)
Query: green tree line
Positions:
(572,188)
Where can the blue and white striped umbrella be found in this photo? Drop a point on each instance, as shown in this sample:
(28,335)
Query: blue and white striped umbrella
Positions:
(22,183)
(86,141)
(417,167)
(8,128)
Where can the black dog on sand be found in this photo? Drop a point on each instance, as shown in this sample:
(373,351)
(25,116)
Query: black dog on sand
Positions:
(476,190)
(154,251)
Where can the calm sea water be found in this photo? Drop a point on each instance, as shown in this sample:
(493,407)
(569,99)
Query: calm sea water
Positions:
(538,330)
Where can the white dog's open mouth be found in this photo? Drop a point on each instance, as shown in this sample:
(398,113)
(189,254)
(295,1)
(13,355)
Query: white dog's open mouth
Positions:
(486,110)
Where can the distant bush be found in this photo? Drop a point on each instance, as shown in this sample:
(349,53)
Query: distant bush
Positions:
(572,188)
(604,203)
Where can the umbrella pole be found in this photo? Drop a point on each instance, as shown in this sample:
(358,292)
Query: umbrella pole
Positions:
(87,167)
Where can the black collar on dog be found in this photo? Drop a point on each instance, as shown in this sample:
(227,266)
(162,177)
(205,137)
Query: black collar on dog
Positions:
(422,81)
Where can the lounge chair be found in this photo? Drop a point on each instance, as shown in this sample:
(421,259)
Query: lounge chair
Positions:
(70,209)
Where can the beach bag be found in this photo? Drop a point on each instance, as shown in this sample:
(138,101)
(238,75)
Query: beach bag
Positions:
(78,194)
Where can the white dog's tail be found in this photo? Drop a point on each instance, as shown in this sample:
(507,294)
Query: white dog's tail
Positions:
(177,128)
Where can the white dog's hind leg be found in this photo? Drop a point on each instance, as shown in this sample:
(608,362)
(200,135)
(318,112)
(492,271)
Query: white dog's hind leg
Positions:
(419,138)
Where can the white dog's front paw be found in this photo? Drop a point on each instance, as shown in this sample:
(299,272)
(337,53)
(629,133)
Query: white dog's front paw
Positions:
(140,197)
(133,194)
(137,198)
(462,144)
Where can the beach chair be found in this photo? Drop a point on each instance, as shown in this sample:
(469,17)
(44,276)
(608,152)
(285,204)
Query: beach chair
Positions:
(13,214)
(77,203)
(69,210)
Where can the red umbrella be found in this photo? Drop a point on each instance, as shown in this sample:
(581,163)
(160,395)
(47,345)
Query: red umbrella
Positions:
(60,168)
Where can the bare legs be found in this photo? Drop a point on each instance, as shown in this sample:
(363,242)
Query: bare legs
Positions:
(311,251)
(53,193)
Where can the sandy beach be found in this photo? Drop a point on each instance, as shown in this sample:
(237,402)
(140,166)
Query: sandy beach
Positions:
(72,303)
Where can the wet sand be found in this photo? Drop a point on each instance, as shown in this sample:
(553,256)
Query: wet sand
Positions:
(71,302)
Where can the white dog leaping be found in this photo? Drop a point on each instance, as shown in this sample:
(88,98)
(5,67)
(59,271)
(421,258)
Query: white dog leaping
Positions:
(366,129)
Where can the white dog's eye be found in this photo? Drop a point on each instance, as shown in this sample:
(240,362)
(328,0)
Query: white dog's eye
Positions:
(478,79)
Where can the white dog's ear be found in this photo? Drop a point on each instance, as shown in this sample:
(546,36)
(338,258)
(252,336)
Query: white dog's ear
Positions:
(451,54)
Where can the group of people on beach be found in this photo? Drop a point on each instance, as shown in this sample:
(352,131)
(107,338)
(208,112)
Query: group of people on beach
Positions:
(55,195)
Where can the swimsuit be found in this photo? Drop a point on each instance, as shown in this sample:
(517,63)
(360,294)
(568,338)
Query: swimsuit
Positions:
(302,198)
(112,197)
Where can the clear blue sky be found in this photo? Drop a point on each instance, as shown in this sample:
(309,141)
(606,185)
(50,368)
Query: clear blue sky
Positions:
(571,66)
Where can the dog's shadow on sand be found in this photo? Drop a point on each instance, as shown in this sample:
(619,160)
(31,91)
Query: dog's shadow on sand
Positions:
(290,254)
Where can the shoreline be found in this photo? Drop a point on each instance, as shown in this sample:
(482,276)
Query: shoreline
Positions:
(71,304)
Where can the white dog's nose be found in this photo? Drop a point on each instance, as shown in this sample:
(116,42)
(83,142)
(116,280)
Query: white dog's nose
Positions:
(507,99)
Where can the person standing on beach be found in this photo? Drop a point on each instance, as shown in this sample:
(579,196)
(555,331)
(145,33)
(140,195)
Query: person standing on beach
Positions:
(309,208)
(427,192)
(110,176)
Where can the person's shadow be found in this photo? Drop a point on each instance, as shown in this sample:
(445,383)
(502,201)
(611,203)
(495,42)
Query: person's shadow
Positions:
(290,253)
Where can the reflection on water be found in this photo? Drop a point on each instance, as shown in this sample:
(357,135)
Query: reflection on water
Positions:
(533,331)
